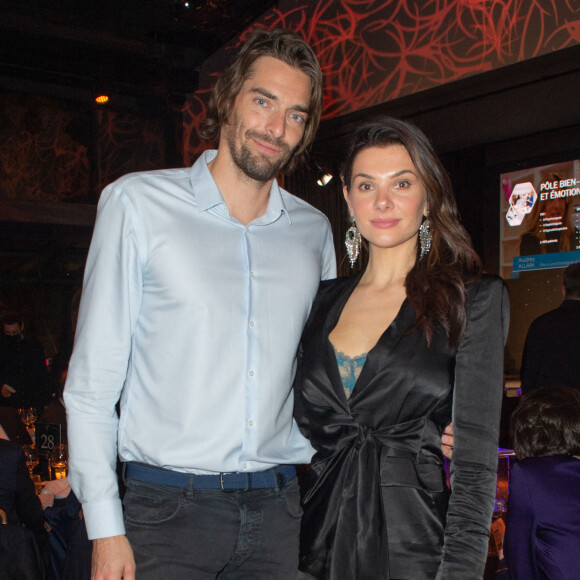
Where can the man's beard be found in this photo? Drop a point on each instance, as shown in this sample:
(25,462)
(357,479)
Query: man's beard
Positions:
(256,166)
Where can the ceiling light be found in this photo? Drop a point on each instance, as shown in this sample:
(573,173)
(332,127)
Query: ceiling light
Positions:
(102,99)
(325,179)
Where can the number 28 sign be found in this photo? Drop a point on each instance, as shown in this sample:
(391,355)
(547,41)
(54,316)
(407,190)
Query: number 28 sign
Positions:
(48,436)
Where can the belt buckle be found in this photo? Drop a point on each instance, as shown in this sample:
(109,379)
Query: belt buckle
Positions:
(248,483)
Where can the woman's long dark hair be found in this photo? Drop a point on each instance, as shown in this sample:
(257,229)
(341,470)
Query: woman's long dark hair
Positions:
(435,285)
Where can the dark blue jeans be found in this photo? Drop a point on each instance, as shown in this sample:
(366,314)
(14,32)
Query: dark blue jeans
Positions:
(180,534)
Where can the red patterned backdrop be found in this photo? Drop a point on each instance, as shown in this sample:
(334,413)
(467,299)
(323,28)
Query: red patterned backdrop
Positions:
(54,151)
(373,51)
(44,150)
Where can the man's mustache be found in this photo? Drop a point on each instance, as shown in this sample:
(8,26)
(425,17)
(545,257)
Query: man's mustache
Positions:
(276,142)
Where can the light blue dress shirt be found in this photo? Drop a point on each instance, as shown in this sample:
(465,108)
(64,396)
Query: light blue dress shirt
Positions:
(194,320)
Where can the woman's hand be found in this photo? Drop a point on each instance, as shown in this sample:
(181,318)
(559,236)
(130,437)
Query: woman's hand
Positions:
(447,441)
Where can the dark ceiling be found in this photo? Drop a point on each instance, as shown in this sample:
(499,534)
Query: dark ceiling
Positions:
(131,46)
(136,48)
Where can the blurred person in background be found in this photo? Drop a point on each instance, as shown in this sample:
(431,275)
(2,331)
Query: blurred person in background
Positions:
(542,540)
(24,547)
(550,355)
(23,374)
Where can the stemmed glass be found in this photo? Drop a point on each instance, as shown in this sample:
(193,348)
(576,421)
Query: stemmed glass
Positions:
(31,454)
(28,416)
(59,461)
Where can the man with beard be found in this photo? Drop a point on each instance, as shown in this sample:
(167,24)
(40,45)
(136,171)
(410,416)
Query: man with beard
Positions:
(197,285)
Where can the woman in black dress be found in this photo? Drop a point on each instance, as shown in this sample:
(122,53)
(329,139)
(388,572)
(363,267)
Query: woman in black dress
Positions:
(388,358)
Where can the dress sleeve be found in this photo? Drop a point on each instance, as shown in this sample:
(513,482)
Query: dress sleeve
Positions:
(110,304)
(477,401)
(519,529)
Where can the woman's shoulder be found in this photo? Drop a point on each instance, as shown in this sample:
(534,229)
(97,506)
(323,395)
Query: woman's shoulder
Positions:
(485,280)
(329,292)
(488,300)
(486,285)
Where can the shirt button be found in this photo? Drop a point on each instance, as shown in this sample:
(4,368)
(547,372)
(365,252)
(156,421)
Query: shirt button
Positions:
(251,324)
(251,373)
(250,423)
(244,466)
(251,274)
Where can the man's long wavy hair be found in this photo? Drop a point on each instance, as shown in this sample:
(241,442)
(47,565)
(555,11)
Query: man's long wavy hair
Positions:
(435,285)
(285,46)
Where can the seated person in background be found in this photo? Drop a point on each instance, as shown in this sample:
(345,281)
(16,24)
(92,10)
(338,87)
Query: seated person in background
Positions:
(543,518)
(17,496)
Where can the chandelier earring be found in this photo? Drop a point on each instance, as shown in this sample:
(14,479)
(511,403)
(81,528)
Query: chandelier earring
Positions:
(425,237)
(352,242)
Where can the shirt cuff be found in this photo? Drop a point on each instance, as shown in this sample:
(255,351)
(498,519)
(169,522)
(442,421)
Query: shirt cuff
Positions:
(104,519)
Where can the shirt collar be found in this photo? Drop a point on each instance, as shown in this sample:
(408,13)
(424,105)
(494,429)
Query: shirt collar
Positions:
(208,196)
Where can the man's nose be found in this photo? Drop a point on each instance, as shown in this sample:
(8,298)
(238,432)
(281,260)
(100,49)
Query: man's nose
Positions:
(277,124)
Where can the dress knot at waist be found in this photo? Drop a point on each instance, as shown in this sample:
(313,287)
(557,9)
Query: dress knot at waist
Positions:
(399,440)
(346,495)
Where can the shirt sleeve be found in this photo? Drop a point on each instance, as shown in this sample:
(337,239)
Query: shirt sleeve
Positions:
(110,303)
(477,400)
(519,528)
(329,256)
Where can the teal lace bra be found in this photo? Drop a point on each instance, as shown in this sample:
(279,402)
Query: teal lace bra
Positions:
(350,369)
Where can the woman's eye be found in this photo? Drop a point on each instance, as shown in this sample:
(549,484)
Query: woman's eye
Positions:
(403,184)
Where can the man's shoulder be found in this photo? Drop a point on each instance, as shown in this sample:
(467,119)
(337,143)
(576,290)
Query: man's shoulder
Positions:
(157,176)
(32,343)
(296,206)
(139,186)
(557,316)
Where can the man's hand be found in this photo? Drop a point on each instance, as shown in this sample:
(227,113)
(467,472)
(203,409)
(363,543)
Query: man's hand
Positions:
(447,441)
(112,559)
(7,391)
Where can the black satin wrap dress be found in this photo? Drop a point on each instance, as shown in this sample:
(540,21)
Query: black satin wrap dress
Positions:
(376,503)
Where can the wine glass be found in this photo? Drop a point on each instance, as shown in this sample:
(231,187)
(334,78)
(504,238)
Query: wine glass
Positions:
(59,461)
(31,454)
(28,416)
